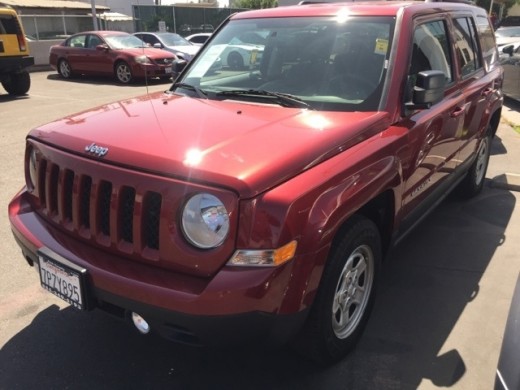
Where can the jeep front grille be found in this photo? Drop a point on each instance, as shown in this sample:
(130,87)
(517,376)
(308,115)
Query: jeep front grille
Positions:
(98,208)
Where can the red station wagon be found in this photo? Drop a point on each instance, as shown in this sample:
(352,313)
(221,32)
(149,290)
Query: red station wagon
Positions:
(257,203)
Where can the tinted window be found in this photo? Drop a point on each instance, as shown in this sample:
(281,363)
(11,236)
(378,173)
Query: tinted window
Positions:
(466,46)
(430,49)
(8,24)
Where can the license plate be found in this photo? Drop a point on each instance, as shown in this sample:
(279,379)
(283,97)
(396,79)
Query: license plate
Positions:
(62,278)
(168,70)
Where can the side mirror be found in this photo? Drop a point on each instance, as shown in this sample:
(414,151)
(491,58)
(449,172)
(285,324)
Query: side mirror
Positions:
(157,45)
(428,89)
(509,49)
(102,47)
(179,65)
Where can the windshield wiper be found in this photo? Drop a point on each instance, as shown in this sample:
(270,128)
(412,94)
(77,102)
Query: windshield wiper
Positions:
(200,93)
(283,99)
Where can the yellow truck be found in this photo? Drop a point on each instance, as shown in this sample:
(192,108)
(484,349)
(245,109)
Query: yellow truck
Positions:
(14,54)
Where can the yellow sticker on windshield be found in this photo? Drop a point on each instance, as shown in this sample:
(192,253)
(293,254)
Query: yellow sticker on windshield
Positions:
(254,54)
(381,46)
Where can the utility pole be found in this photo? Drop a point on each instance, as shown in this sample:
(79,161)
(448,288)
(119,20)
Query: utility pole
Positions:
(94,16)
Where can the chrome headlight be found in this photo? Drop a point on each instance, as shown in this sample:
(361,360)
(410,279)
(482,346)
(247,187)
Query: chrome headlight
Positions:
(205,221)
(142,60)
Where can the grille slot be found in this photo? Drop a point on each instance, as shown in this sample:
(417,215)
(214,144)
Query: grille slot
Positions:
(151,221)
(84,204)
(68,188)
(126,213)
(104,197)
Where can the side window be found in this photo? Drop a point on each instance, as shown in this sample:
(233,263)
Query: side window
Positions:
(466,46)
(93,41)
(430,49)
(487,42)
(77,41)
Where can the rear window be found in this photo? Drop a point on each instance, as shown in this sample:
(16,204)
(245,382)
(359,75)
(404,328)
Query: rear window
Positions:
(8,24)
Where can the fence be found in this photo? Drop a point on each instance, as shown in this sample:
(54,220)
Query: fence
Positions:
(181,20)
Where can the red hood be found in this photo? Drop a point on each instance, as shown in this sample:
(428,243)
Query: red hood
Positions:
(244,146)
(148,51)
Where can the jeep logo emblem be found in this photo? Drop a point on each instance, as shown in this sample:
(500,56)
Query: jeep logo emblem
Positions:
(99,151)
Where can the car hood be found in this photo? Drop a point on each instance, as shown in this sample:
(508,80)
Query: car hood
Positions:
(147,51)
(247,147)
(188,49)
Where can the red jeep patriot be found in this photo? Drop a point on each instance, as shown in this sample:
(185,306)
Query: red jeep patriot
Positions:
(256,199)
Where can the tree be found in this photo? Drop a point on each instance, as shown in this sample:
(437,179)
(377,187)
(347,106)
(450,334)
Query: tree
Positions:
(255,4)
(497,5)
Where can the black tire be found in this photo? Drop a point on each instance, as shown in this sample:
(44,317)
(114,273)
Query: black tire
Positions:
(346,294)
(123,73)
(474,181)
(17,84)
(64,69)
(235,60)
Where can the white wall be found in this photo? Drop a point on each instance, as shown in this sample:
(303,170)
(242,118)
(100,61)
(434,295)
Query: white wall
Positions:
(121,6)
(40,51)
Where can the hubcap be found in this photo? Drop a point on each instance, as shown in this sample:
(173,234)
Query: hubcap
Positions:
(64,68)
(123,73)
(353,291)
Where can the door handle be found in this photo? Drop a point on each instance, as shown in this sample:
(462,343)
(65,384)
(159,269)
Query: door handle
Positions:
(457,112)
(486,92)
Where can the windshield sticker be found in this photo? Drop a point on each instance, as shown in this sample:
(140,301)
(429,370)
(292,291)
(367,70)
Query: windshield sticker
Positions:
(381,46)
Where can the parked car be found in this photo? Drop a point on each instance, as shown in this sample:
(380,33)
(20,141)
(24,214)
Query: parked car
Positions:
(112,53)
(508,371)
(510,21)
(171,42)
(505,35)
(257,205)
(244,50)
(14,54)
(199,38)
(510,60)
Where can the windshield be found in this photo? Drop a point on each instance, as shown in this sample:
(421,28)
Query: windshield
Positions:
(508,32)
(171,39)
(325,63)
(124,41)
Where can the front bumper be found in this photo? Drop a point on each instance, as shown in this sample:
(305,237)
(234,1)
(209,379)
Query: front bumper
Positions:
(235,306)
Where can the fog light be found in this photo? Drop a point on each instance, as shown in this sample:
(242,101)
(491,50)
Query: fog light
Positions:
(140,323)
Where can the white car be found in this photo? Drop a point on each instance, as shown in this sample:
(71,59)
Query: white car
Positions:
(506,35)
(171,42)
(198,39)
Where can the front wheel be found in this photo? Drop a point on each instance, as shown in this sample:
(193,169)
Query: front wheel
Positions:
(345,297)
(64,69)
(475,178)
(123,73)
(17,84)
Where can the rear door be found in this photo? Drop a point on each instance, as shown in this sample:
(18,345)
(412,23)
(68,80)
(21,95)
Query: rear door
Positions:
(477,78)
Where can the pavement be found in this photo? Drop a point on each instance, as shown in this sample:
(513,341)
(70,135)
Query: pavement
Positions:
(504,168)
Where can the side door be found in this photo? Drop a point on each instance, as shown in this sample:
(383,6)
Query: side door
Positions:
(434,132)
(97,60)
(477,79)
(75,53)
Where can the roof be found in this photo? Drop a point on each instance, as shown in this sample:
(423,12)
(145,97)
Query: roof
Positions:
(51,4)
(115,17)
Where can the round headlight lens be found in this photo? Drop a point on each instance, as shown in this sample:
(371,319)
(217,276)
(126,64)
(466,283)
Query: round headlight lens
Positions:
(205,221)
(32,168)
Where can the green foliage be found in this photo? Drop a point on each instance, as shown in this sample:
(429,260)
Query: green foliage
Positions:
(255,4)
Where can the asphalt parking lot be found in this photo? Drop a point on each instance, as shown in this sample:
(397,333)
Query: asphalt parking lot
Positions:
(438,320)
